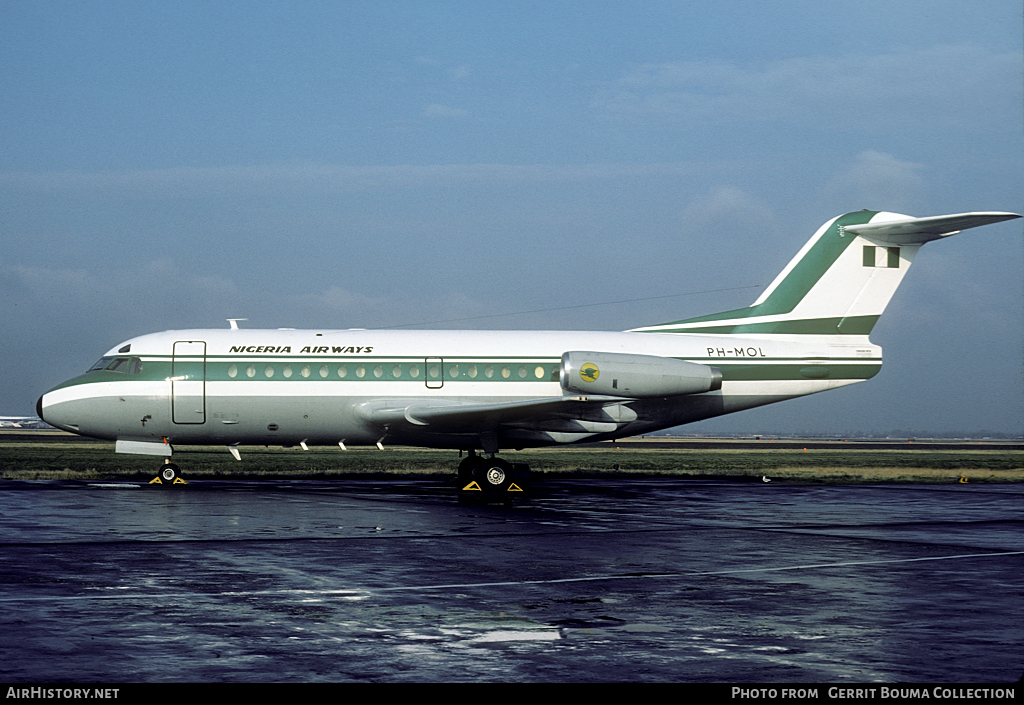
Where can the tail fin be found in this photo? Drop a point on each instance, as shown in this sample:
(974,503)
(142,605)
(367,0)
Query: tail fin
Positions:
(840,282)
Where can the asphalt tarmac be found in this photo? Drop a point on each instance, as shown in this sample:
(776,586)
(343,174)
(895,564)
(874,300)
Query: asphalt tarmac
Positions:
(654,580)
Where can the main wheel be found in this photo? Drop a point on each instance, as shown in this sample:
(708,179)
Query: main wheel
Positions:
(466,468)
(494,475)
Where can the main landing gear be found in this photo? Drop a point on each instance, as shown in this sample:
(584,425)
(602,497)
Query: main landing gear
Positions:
(168,474)
(491,476)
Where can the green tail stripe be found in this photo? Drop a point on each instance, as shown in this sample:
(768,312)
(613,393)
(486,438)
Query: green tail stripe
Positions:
(791,290)
(854,325)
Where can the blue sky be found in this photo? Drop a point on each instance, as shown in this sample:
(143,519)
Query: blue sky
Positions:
(374,164)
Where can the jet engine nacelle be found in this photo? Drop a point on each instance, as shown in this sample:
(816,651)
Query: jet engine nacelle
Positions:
(635,376)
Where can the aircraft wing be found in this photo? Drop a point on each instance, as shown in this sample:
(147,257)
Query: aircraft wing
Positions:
(914,231)
(591,406)
(586,414)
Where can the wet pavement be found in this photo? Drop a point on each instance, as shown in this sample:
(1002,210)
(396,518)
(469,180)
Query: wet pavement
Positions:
(614,580)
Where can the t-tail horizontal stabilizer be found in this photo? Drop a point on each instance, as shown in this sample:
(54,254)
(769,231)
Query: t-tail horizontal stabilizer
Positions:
(903,230)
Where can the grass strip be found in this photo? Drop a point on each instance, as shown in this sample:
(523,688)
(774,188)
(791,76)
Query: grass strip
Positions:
(57,458)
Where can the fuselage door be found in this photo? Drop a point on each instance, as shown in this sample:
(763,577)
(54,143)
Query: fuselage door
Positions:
(188,382)
(435,372)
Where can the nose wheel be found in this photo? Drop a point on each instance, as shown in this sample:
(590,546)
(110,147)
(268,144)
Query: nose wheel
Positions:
(169,474)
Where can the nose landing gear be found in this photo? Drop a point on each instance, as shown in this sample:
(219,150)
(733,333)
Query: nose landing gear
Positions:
(169,474)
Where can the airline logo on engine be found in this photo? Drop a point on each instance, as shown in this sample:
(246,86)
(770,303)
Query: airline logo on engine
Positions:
(589,372)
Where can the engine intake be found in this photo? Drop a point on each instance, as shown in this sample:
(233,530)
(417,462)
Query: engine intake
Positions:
(635,376)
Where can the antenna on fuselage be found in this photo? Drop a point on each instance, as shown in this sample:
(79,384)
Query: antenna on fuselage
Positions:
(233,322)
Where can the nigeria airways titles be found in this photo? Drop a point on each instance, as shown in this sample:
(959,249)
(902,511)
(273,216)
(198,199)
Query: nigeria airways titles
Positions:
(318,350)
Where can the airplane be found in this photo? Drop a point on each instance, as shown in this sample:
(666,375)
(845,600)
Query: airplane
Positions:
(20,422)
(483,391)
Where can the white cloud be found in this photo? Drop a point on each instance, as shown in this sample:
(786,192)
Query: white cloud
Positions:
(952,85)
(878,181)
(727,203)
(336,303)
(155,293)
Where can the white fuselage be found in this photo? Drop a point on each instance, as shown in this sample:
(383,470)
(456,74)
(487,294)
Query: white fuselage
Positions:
(286,387)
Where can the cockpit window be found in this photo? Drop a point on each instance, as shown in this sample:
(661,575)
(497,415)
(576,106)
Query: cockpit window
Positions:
(132,365)
(101,364)
(120,364)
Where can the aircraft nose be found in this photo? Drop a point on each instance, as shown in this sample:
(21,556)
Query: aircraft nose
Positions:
(44,407)
(63,407)
(52,411)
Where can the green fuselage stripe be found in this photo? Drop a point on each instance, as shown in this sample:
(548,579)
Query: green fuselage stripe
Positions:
(763,369)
